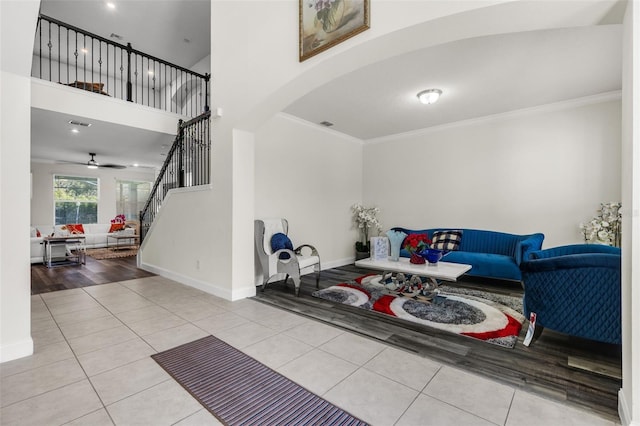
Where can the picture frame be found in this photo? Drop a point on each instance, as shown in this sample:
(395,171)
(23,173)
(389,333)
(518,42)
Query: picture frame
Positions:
(326,23)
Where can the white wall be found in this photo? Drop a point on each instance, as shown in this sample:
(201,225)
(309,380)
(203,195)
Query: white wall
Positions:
(81,103)
(541,170)
(629,396)
(311,176)
(15,64)
(42,207)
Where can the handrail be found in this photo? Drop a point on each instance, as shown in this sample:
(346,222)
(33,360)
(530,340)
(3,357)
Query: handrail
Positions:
(97,64)
(115,43)
(187,164)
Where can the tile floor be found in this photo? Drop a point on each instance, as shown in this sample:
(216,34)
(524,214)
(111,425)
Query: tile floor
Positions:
(92,365)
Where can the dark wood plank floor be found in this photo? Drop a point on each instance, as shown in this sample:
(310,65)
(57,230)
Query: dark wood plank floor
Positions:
(579,372)
(94,272)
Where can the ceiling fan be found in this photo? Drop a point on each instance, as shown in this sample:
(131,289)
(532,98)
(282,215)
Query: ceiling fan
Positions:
(93,164)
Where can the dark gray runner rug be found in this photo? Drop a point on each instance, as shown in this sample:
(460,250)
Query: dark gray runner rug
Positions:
(239,390)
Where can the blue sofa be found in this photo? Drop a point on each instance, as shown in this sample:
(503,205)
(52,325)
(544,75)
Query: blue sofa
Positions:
(491,254)
(575,289)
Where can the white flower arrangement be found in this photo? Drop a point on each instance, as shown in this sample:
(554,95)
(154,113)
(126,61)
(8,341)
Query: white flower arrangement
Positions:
(364,219)
(605,228)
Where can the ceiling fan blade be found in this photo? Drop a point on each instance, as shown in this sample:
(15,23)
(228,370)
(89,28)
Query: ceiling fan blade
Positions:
(112,166)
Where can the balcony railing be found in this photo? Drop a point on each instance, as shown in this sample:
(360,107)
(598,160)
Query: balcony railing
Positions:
(187,164)
(78,58)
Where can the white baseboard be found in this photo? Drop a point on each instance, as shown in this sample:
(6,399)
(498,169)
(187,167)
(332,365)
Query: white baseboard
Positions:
(207,287)
(16,350)
(324,265)
(623,411)
(339,262)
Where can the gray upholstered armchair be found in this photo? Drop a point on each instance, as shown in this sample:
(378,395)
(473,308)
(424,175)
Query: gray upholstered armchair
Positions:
(278,257)
(575,289)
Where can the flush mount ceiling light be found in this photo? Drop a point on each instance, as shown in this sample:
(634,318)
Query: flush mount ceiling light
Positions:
(111,5)
(429,96)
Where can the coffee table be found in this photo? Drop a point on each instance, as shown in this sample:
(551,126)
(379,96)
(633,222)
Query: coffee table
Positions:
(441,271)
(123,241)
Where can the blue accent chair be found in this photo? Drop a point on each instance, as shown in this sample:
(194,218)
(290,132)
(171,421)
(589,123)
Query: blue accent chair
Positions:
(575,290)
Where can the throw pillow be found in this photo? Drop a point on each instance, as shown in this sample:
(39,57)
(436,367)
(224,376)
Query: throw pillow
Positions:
(116,227)
(280,241)
(38,234)
(446,240)
(75,228)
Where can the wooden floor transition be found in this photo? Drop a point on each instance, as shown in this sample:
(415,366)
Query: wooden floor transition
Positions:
(94,272)
(579,372)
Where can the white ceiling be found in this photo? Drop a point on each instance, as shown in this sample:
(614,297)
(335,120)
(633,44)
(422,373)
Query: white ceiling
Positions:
(157,27)
(478,77)
(53,141)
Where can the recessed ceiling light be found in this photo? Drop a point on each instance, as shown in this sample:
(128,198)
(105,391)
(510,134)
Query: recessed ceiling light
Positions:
(429,96)
(75,131)
(135,164)
(111,5)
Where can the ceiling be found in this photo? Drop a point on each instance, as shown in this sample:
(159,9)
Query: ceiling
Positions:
(53,141)
(479,77)
(158,27)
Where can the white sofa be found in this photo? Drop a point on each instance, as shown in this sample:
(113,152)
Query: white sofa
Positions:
(95,236)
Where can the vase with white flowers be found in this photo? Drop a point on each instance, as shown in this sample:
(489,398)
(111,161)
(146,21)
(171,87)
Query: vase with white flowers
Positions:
(364,218)
(605,228)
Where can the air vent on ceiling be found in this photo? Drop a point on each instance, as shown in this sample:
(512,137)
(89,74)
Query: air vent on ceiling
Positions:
(79,123)
(326,123)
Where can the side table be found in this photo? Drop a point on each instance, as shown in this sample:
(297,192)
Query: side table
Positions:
(74,249)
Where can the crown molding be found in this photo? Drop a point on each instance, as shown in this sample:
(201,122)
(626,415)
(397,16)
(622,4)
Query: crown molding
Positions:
(556,106)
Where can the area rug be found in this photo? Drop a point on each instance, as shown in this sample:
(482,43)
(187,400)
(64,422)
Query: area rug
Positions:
(493,318)
(107,253)
(239,390)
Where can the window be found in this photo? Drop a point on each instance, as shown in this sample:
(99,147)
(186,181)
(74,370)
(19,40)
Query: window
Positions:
(131,197)
(75,199)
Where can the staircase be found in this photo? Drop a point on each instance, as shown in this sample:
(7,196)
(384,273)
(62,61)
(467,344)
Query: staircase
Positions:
(187,164)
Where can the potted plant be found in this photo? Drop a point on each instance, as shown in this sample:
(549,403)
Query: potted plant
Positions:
(366,221)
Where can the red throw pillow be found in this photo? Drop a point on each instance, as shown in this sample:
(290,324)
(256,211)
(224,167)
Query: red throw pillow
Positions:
(38,233)
(75,228)
(116,227)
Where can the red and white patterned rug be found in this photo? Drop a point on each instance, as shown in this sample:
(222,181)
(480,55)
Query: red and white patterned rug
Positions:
(486,316)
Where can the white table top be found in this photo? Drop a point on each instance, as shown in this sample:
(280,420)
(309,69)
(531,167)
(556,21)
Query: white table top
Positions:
(442,270)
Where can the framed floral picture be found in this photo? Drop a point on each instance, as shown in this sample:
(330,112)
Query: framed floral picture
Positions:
(325,23)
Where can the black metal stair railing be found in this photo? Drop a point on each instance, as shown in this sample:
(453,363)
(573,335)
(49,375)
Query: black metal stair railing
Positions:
(77,58)
(187,164)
